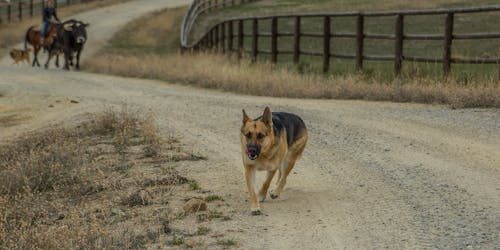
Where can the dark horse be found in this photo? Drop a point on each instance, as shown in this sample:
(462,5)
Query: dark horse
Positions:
(33,37)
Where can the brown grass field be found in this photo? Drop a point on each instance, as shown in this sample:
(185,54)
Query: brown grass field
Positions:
(84,187)
(138,55)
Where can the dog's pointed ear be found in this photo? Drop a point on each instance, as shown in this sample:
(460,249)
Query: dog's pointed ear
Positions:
(245,117)
(267,117)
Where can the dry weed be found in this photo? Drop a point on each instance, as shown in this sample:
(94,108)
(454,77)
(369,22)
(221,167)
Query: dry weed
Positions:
(264,79)
(61,188)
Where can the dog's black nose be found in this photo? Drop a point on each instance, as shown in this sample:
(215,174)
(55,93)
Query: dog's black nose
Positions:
(253,151)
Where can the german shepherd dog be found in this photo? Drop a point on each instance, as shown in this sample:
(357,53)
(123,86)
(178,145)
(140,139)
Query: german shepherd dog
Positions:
(19,55)
(272,142)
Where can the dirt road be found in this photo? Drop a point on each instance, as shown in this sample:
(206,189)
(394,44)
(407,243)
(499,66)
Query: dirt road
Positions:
(374,175)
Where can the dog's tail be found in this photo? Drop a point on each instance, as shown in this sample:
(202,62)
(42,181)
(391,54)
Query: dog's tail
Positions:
(27,38)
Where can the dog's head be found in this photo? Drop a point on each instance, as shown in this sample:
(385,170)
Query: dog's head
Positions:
(14,53)
(257,135)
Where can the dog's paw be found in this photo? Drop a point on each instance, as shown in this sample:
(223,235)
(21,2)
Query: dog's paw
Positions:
(273,194)
(256,211)
(262,197)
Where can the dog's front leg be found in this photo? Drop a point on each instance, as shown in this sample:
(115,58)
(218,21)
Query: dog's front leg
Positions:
(250,178)
(265,186)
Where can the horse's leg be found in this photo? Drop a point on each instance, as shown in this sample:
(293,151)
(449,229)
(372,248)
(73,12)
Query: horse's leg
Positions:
(36,55)
(48,59)
(35,52)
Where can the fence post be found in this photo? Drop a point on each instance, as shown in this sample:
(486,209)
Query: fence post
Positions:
(230,37)
(255,39)
(216,38)
(359,41)
(296,39)
(448,38)
(206,42)
(398,54)
(9,12)
(240,38)
(20,11)
(209,41)
(274,40)
(326,43)
(213,34)
(223,36)
(31,8)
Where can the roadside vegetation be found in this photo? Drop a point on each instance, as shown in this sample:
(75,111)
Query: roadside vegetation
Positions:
(153,53)
(13,33)
(109,182)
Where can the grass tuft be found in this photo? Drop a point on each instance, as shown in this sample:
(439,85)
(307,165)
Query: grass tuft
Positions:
(193,185)
(213,197)
(202,230)
(227,242)
(176,240)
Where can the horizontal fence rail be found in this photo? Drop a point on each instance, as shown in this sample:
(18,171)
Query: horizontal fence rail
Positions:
(229,36)
(16,10)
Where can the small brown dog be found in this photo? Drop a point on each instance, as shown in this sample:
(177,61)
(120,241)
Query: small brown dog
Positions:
(272,142)
(19,55)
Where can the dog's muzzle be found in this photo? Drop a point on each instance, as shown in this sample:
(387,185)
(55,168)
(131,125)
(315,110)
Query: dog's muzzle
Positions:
(253,152)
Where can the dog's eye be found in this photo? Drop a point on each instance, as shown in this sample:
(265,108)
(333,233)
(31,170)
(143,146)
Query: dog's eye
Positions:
(248,135)
(260,136)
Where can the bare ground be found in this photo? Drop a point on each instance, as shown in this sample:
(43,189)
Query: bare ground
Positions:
(374,174)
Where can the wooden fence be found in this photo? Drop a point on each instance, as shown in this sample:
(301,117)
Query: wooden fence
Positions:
(229,36)
(199,7)
(17,10)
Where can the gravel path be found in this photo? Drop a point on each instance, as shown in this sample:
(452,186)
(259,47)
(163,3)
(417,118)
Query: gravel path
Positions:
(374,174)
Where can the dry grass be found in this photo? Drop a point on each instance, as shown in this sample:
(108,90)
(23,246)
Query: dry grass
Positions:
(91,186)
(147,56)
(13,33)
(213,71)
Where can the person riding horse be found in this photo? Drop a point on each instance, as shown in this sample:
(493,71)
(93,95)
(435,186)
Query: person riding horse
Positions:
(48,12)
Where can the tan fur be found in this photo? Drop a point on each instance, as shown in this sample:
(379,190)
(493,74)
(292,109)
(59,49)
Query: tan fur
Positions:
(19,55)
(273,154)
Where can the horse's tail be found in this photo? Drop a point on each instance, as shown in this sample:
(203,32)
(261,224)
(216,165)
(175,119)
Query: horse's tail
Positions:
(27,37)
